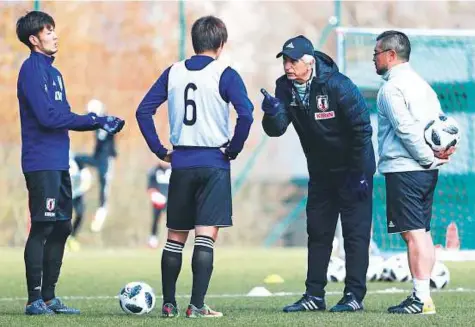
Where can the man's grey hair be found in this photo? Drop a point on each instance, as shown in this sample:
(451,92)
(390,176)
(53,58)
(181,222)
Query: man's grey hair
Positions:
(308,59)
(397,41)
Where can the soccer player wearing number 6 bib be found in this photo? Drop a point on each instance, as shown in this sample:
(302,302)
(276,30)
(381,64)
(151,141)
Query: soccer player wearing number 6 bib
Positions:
(198,91)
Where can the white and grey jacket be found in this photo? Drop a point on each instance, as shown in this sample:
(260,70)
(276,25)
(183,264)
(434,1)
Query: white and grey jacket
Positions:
(406,104)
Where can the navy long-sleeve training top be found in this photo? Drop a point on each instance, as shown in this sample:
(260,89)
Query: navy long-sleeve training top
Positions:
(46,116)
(231,89)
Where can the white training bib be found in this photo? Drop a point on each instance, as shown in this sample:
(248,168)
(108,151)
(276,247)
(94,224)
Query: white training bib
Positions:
(197,114)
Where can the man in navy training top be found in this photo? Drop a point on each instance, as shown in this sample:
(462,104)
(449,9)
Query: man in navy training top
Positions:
(198,91)
(46,118)
(332,121)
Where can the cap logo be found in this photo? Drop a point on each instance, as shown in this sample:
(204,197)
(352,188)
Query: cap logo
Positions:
(290,46)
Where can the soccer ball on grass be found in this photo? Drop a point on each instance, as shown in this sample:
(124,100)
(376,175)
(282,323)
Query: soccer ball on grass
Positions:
(137,298)
(440,275)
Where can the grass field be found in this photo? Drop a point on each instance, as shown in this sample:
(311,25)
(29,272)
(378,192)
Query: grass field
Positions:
(91,279)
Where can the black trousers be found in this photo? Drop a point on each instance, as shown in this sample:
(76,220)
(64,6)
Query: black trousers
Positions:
(329,197)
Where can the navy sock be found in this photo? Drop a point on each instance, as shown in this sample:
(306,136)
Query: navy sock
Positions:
(53,257)
(202,267)
(34,250)
(171,267)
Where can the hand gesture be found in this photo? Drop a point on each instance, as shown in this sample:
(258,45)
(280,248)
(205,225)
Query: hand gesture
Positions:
(110,124)
(168,157)
(229,155)
(270,104)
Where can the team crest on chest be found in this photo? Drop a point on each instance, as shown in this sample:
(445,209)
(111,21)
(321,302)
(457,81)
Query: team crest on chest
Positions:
(50,204)
(322,102)
(323,105)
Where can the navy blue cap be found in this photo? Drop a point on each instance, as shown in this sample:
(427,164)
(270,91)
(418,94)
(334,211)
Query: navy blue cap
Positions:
(296,48)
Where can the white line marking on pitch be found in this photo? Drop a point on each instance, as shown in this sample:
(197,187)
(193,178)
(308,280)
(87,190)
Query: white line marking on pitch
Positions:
(392,290)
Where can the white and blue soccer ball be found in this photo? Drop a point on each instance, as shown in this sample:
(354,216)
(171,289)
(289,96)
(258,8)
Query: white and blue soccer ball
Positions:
(396,268)
(440,276)
(137,298)
(400,271)
(442,133)
(386,273)
(336,270)
(375,268)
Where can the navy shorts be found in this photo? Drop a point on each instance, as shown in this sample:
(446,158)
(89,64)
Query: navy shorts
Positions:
(49,195)
(199,197)
(409,198)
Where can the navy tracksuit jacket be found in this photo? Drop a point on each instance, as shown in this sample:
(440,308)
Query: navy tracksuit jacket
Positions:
(335,134)
(46,116)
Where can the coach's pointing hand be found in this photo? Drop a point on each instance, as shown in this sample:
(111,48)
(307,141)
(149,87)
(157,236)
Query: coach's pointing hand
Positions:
(270,104)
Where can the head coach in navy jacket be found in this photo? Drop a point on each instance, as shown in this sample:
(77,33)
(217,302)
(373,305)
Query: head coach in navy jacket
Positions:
(333,123)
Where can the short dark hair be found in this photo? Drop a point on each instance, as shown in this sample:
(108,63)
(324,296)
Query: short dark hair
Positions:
(32,24)
(397,41)
(208,33)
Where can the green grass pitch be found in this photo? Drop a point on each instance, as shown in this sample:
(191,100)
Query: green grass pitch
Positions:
(92,278)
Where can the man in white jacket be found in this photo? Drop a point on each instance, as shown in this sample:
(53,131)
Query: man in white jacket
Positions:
(406,103)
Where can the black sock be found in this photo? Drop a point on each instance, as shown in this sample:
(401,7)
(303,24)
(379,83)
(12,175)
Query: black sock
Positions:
(202,267)
(53,257)
(34,250)
(171,266)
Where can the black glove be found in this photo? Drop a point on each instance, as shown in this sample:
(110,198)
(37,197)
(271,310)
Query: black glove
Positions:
(358,184)
(270,104)
(110,124)
(229,155)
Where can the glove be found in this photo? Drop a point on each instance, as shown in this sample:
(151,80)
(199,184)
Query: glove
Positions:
(165,154)
(228,154)
(270,104)
(359,185)
(436,163)
(110,124)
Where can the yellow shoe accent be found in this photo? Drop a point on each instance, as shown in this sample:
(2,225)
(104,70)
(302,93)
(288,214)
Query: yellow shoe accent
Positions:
(429,307)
